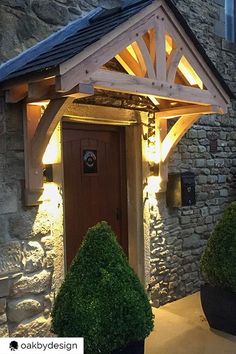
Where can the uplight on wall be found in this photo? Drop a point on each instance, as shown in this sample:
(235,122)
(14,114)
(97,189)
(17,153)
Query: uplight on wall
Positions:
(52,153)
(48,173)
(153,184)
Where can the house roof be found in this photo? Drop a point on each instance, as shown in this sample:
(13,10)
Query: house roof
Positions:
(71,40)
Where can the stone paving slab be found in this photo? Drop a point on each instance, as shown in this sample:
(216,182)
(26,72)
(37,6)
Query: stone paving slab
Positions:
(181,328)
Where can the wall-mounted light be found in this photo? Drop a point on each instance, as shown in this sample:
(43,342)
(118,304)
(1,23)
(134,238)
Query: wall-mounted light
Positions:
(154,169)
(153,180)
(48,173)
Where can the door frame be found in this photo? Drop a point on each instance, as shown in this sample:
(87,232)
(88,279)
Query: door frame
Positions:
(134,177)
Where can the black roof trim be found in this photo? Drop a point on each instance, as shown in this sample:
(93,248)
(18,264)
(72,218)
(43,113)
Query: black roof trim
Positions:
(104,13)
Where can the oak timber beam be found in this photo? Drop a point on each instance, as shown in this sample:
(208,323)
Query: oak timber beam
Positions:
(47,125)
(40,91)
(188,110)
(33,174)
(161,132)
(160,48)
(115,81)
(175,134)
(16,93)
(100,114)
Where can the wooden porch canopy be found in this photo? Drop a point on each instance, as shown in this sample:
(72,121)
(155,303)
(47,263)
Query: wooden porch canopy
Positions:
(158,57)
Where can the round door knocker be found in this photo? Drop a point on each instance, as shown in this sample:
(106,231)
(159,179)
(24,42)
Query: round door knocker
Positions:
(90,158)
(90,161)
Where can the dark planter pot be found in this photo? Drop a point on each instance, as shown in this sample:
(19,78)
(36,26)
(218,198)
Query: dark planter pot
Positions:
(219,306)
(132,348)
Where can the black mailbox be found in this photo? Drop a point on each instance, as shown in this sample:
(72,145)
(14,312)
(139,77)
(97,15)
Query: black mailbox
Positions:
(180,190)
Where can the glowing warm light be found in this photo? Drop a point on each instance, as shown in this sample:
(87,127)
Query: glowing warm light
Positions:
(154,184)
(132,52)
(167,145)
(51,200)
(53,151)
(125,66)
(154,100)
(169,44)
(40,103)
(189,73)
(152,154)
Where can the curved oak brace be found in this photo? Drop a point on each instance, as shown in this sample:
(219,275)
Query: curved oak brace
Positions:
(182,125)
(37,133)
(46,127)
(129,63)
(147,58)
(172,63)
(140,58)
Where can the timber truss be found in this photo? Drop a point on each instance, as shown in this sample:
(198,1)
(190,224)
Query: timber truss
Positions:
(157,60)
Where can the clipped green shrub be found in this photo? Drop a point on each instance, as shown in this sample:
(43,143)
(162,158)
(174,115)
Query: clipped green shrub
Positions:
(218,262)
(101,298)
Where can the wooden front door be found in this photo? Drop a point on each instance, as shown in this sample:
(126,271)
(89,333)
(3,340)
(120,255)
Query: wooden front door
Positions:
(94,182)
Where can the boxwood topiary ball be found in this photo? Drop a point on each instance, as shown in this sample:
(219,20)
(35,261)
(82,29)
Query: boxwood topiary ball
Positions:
(102,298)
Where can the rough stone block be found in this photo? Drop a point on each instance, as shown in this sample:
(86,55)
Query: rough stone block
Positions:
(200,229)
(4,331)
(2,306)
(204,211)
(3,318)
(214,210)
(39,327)
(192,134)
(51,12)
(208,220)
(221,179)
(212,179)
(34,284)
(224,193)
(4,287)
(210,163)
(19,310)
(10,258)
(34,255)
(8,198)
(3,229)
(201,134)
(200,163)
(191,242)
(29,224)
(202,179)
(185,220)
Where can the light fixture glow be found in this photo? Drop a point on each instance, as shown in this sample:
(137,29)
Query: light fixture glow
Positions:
(154,184)
(52,153)
(189,73)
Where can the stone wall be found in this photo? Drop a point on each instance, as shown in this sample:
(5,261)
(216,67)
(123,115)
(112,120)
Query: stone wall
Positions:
(26,22)
(31,239)
(178,235)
